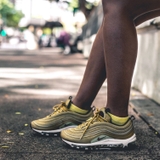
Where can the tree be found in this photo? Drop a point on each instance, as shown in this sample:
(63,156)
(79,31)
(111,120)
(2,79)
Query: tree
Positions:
(9,14)
(86,6)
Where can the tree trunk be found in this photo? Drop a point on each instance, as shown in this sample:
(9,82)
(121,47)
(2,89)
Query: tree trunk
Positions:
(83,8)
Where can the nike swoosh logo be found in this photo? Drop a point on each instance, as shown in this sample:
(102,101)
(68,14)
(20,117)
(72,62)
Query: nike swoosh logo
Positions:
(100,138)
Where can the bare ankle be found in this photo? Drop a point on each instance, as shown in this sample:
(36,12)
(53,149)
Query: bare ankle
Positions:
(119,112)
(81,104)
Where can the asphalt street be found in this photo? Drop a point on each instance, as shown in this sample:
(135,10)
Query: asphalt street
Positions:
(31,82)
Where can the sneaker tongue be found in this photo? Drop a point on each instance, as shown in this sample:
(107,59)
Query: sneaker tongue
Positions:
(103,113)
(68,103)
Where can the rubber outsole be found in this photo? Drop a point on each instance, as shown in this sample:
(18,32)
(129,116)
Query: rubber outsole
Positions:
(102,145)
(50,132)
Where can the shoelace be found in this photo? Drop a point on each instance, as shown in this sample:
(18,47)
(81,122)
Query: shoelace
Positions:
(89,122)
(59,108)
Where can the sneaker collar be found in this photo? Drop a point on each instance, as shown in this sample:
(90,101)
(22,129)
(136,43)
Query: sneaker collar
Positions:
(103,113)
(68,102)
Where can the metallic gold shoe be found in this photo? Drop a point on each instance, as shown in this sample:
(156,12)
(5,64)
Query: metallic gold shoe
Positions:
(61,118)
(98,132)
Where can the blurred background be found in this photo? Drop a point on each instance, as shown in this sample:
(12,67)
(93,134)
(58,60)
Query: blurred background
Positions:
(71,26)
(35,24)
(44,45)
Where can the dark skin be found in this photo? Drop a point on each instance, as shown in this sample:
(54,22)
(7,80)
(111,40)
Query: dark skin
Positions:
(114,52)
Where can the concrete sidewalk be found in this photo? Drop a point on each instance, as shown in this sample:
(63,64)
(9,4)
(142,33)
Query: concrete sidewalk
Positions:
(31,82)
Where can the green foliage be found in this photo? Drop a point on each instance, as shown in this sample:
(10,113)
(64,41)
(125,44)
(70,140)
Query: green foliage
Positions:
(74,3)
(88,5)
(85,6)
(9,14)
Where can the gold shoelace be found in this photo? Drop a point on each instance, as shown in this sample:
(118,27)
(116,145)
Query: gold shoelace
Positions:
(89,122)
(59,108)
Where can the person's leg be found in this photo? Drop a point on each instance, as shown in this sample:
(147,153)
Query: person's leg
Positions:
(112,127)
(63,117)
(95,72)
(120,45)
(94,75)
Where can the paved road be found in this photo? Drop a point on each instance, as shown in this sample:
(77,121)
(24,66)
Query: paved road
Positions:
(31,82)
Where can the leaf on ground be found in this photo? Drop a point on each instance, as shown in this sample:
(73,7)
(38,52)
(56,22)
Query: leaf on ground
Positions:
(9,131)
(26,125)
(21,134)
(10,142)
(17,112)
(150,114)
(5,146)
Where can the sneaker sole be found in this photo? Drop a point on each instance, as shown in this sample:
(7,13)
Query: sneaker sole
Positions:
(103,144)
(51,132)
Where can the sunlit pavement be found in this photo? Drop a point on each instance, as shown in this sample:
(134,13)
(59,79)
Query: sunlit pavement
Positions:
(31,82)
(18,46)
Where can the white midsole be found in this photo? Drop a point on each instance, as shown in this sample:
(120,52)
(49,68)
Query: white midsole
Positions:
(110,141)
(53,131)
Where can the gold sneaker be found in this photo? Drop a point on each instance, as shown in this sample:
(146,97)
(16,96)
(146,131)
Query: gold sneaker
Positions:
(61,118)
(98,132)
